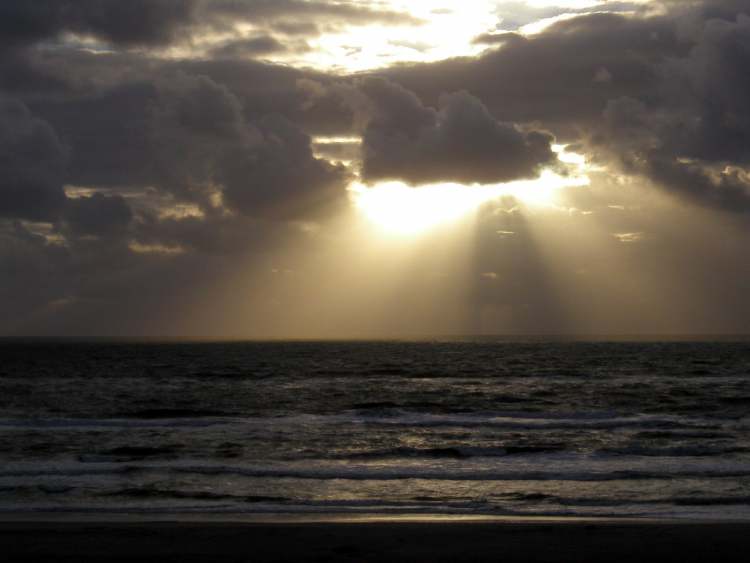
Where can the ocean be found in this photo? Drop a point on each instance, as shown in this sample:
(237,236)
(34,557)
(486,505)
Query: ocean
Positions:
(507,428)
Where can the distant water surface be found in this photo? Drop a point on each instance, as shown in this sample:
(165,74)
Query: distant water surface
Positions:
(505,428)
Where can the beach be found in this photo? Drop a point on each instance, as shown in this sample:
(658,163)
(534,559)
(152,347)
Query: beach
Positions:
(375,451)
(57,538)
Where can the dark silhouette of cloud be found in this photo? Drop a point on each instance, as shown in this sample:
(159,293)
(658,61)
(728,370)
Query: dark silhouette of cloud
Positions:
(496,38)
(460,142)
(32,162)
(136,22)
(188,136)
(551,77)
(662,96)
(692,135)
(257,46)
(161,22)
(98,215)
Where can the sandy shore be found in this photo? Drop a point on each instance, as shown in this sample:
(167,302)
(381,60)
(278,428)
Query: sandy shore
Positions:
(370,539)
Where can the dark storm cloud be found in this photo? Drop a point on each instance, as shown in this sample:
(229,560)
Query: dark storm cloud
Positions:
(161,22)
(130,23)
(698,12)
(281,176)
(279,10)
(293,18)
(552,77)
(459,142)
(32,162)
(711,89)
(639,141)
(203,141)
(63,84)
(262,45)
(160,133)
(131,127)
(98,215)
(188,136)
(696,128)
(193,123)
(265,89)
(109,135)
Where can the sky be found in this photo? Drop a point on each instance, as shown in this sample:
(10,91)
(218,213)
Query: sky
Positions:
(374,169)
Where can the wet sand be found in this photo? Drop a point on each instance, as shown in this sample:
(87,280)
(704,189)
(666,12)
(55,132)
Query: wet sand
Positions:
(371,539)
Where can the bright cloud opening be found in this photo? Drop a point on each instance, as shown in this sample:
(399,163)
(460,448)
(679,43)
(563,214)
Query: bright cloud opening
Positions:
(397,208)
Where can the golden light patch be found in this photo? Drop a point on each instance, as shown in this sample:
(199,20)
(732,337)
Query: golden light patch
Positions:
(182,211)
(140,248)
(397,208)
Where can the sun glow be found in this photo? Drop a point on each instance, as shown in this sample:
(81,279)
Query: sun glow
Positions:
(407,31)
(396,208)
(439,30)
(399,209)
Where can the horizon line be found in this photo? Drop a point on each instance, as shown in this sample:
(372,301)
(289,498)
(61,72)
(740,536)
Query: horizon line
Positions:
(540,337)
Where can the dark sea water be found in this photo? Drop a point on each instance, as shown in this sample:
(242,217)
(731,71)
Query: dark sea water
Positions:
(504,428)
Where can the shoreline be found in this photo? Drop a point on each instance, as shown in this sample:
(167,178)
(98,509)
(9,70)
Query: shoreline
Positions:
(228,518)
(370,538)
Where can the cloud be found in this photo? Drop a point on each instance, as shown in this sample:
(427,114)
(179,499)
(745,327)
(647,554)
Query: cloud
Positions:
(188,136)
(661,95)
(290,11)
(515,15)
(204,144)
(98,215)
(32,164)
(548,77)
(162,22)
(136,22)
(654,100)
(496,38)
(281,176)
(460,142)
(258,46)
(691,135)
